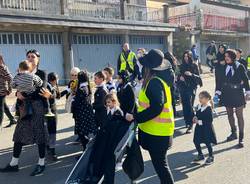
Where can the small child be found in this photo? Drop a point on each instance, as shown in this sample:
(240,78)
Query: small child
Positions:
(109,72)
(26,83)
(85,124)
(99,96)
(52,86)
(204,130)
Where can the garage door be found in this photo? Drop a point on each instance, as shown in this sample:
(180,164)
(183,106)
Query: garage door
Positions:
(13,46)
(94,52)
(147,42)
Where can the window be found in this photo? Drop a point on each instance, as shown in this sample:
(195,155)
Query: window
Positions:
(37,39)
(50,39)
(41,39)
(10,38)
(0,39)
(79,40)
(32,38)
(87,39)
(4,37)
(27,38)
(55,39)
(59,39)
(16,38)
(22,39)
(83,40)
(46,39)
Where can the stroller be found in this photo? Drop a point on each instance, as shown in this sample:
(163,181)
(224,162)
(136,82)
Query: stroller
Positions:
(80,172)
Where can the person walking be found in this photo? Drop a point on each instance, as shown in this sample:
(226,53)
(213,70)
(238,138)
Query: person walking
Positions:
(32,130)
(155,113)
(211,55)
(234,89)
(188,80)
(5,87)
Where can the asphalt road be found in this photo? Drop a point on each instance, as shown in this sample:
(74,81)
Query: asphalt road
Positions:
(232,165)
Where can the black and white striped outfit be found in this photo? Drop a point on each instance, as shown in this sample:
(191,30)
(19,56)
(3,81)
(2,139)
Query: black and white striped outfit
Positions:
(26,82)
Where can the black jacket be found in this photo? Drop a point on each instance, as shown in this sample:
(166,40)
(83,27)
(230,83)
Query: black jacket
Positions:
(191,82)
(243,62)
(99,104)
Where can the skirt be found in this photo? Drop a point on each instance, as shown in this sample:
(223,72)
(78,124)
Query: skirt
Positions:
(34,129)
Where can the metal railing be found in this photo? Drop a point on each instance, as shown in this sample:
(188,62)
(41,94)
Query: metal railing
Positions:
(43,7)
(186,20)
(215,22)
(143,13)
(105,10)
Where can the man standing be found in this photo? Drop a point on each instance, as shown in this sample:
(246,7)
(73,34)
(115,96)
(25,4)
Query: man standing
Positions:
(211,55)
(127,62)
(196,57)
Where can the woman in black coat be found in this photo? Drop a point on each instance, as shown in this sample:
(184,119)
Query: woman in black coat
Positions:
(188,80)
(32,130)
(231,86)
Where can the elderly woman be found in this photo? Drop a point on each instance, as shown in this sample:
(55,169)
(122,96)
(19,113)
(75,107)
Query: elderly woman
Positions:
(231,87)
(32,130)
(5,89)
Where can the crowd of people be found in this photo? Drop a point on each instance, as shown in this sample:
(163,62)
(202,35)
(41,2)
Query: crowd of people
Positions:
(98,109)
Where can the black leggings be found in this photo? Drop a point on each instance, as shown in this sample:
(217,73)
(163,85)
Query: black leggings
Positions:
(209,147)
(2,100)
(18,149)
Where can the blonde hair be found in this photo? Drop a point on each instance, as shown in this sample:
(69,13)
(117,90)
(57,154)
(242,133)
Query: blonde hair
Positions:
(75,70)
(113,97)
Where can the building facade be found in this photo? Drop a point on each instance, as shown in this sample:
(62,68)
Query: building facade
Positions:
(84,33)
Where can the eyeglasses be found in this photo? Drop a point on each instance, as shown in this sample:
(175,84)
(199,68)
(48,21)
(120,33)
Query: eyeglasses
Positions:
(73,75)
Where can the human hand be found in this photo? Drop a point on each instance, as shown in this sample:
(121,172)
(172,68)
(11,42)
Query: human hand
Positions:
(188,73)
(215,61)
(195,120)
(129,117)
(20,96)
(182,78)
(45,93)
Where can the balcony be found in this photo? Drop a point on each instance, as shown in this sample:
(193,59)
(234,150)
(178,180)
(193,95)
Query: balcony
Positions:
(205,21)
(136,10)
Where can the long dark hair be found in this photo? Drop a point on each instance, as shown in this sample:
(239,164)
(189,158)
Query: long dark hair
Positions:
(190,58)
(148,74)
(83,77)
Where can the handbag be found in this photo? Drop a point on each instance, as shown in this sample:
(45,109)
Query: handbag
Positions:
(133,164)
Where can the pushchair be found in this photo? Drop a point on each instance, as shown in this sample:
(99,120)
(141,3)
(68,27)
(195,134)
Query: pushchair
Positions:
(80,172)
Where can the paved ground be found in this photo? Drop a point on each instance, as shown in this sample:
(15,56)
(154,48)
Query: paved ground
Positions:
(231,164)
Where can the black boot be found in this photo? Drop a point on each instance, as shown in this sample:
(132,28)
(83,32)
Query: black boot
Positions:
(38,170)
(232,137)
(52,154)
(241,142)
(9,168)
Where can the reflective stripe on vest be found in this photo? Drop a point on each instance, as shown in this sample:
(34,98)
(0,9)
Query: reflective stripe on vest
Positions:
(130,61)
(163,124)
(248,63)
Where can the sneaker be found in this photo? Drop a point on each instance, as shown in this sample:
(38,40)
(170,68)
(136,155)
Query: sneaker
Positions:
(12,122)
(241,144)
(38,170)
(209,160)
(189,130)
(199,158)
(50,114)
(9,168)
(232,137)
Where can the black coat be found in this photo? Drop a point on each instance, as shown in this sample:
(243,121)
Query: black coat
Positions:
(99,105)
(191,82)
(205,133)
(232,88)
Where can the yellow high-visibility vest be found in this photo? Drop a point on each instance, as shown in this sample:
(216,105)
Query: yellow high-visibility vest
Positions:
(163,124)
(130,61)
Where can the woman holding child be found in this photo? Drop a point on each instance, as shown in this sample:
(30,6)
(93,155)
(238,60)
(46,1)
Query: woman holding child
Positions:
(31,130)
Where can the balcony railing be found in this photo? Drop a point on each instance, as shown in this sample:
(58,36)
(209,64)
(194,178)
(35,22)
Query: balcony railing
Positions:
(216,22)
(210,22)
(96,9)
(43,7)
(104,10)
(143,13)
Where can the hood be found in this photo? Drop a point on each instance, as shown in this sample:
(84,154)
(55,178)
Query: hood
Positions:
(167,75)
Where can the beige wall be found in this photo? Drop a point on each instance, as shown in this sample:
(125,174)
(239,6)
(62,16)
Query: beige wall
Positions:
(155,4)
(245,2)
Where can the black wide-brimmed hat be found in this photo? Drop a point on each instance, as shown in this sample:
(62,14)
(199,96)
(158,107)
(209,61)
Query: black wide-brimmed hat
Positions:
(155,60)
